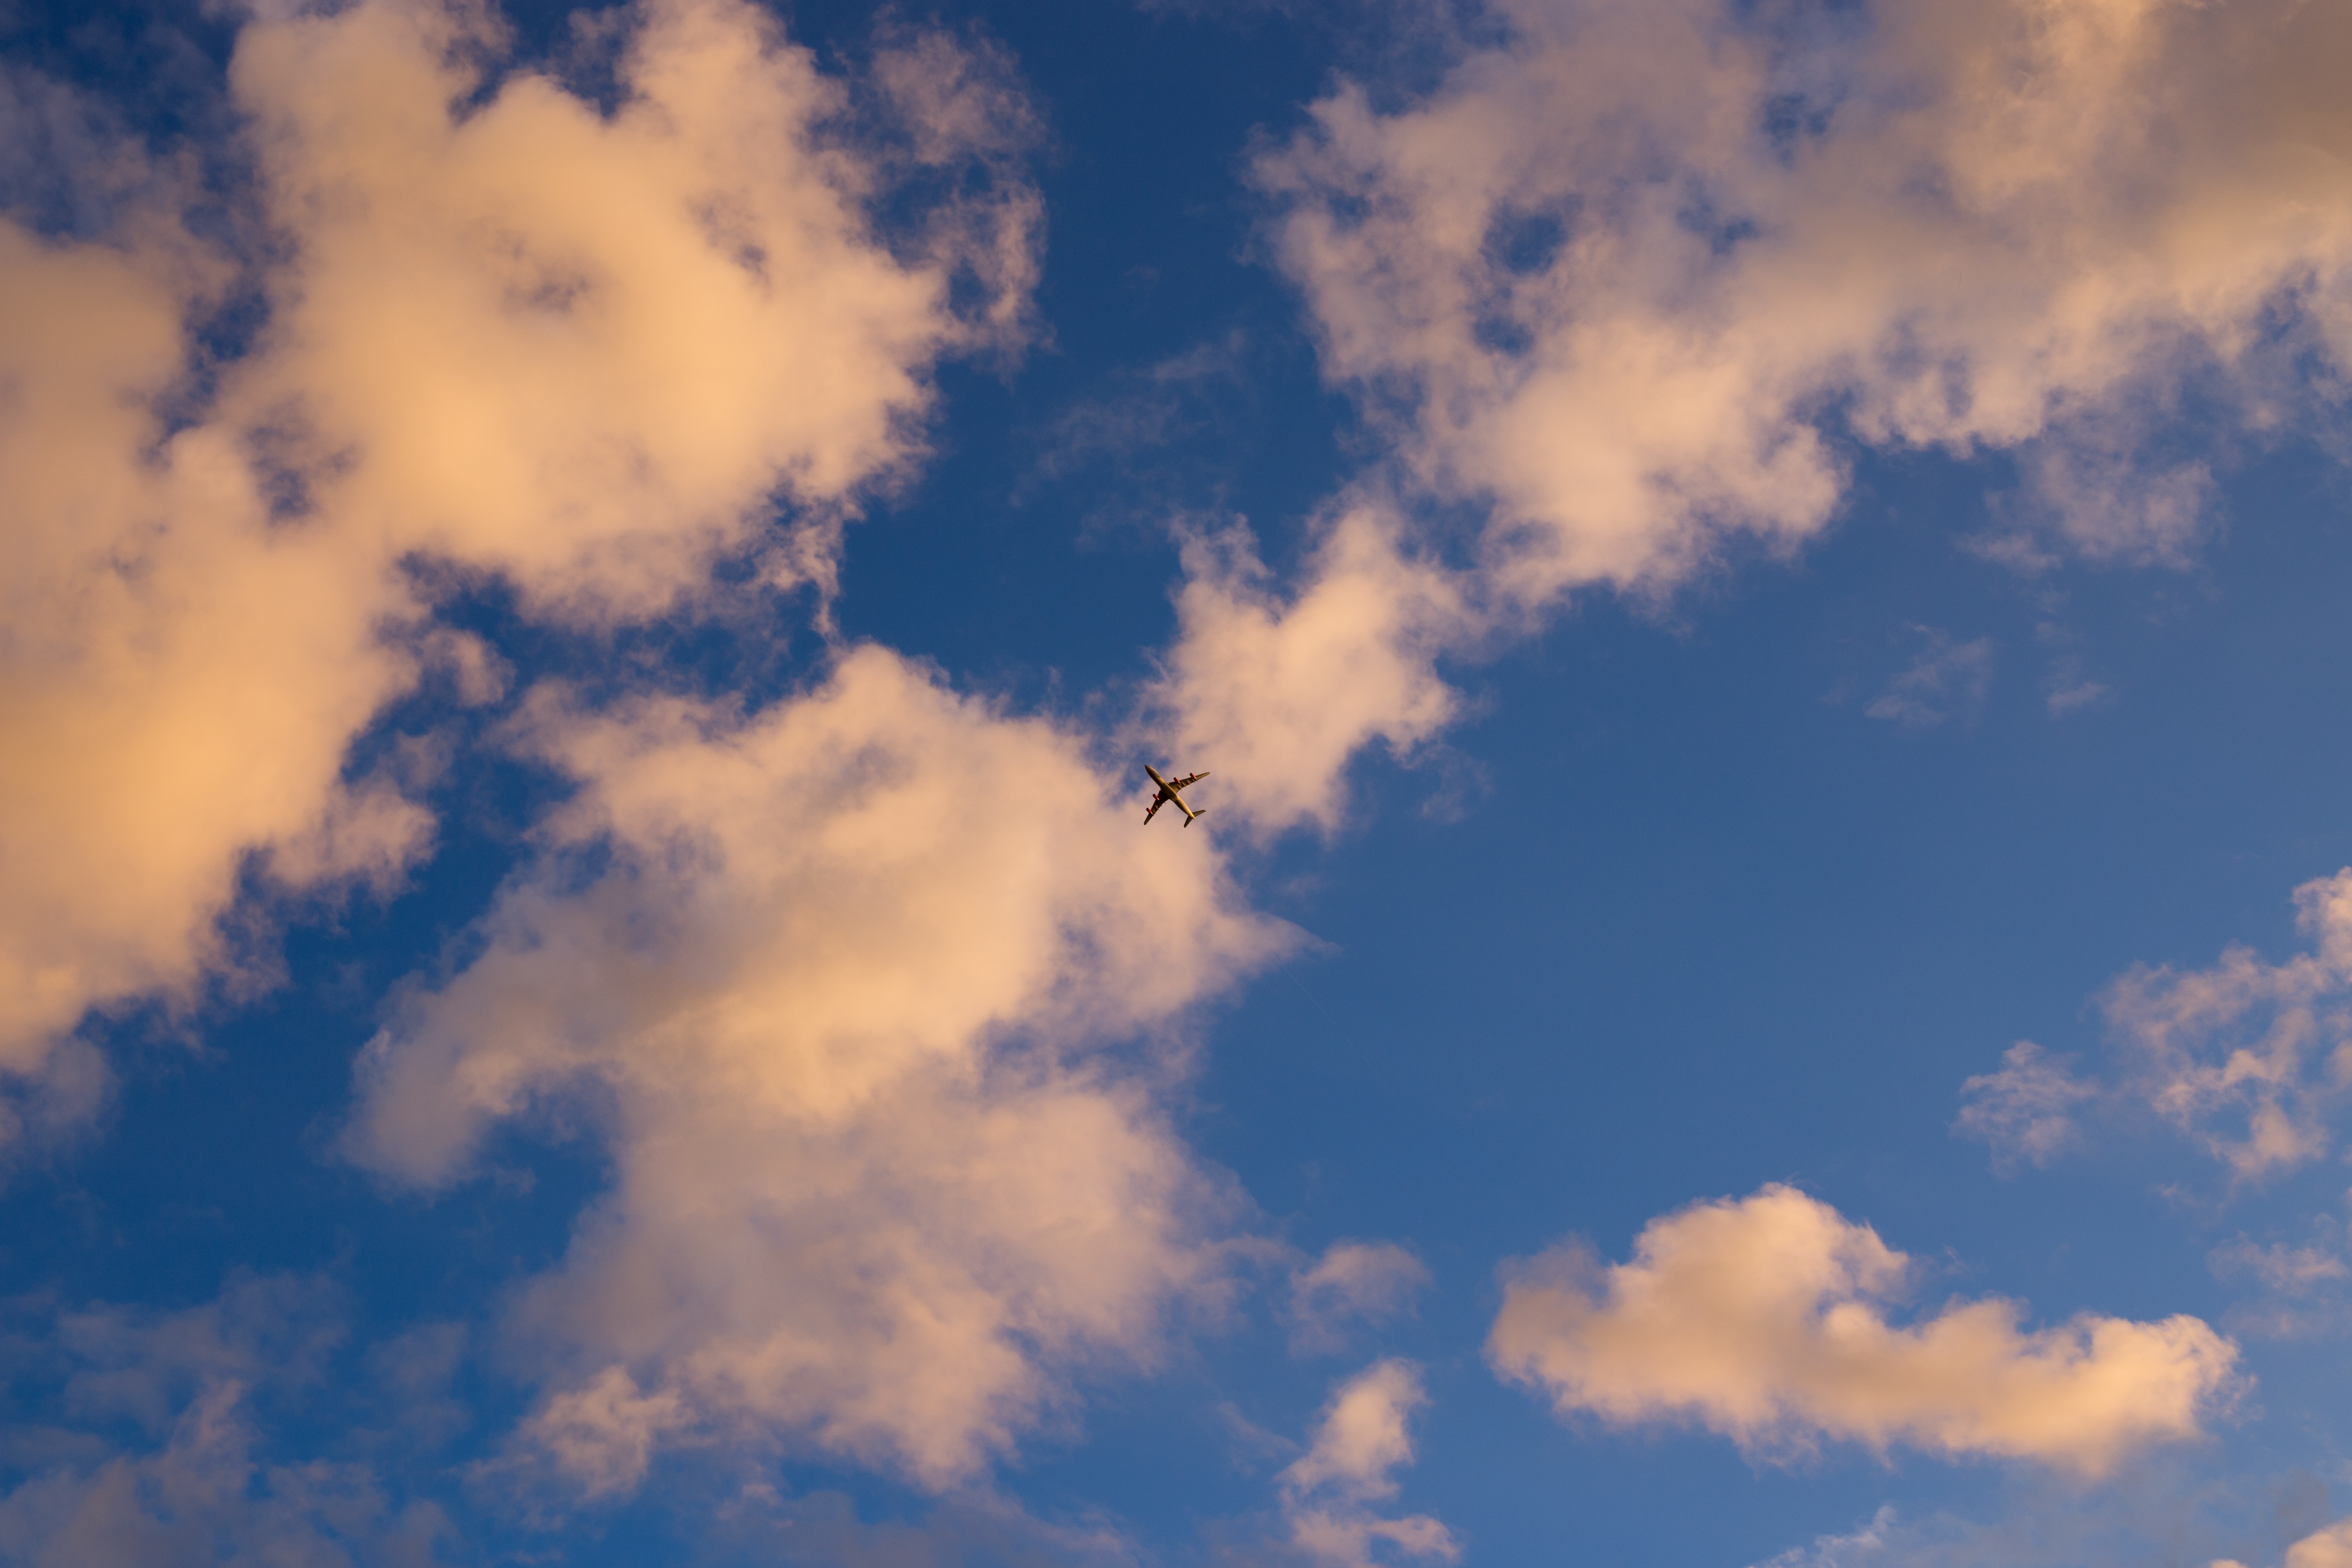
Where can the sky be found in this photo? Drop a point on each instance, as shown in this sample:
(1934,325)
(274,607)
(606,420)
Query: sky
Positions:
(1766,979)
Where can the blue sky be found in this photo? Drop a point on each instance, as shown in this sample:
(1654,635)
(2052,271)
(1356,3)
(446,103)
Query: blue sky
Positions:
(1765,979)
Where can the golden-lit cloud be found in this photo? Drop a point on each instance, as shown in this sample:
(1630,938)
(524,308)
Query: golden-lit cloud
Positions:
(589,351)
(1630,270)
(2250,1061)
(592,351)
(1637,277)
(1765,1319)
(2329,1548)
(1279,691)
(835,983)
(178,677)
(1332,1494)
(2247,1058)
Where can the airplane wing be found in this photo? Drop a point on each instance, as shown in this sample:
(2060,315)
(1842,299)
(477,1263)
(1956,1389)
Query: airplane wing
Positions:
(1188,780)
(1157,802)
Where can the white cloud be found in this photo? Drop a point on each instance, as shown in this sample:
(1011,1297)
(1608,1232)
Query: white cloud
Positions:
(2026,1111)
(842,987)
(1353,1281)
(1626,271)
(1331,1493)
(1764,1318)
(589,351)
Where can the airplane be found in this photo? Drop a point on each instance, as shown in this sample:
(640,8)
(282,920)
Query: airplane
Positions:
(1167,796)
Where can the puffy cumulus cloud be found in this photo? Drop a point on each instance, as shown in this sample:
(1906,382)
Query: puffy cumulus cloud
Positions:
(1282,690)
(1352,1283)
(589,351)
(1331,1494)
(1764,1318)
(177,678)
(836,978)
(2248,1058)
(1628,272)
(2329,1548)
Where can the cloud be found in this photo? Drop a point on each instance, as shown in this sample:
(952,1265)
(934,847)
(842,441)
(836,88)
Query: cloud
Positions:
(1353,1281)
(1278,692)
(1331,1493)
(2026,1111)
(1763,1318)
(204,1497)
(277,1331)
(1633,272)
(1949,682)
(1866,1543)
(1629,283)
(2247,1058)
(836,982)
(2300,1289)
(201,1488)
(2139,1521)
(590,351)
(2329,1548)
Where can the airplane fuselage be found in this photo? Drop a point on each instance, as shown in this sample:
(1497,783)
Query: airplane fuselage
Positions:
(1170,794)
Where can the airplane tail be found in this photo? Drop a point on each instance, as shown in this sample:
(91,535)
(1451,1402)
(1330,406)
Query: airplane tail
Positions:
(1198,814)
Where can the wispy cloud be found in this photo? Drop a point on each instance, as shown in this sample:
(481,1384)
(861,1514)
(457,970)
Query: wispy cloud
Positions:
(1948,681)
(2027,1110)
(1353,1282)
